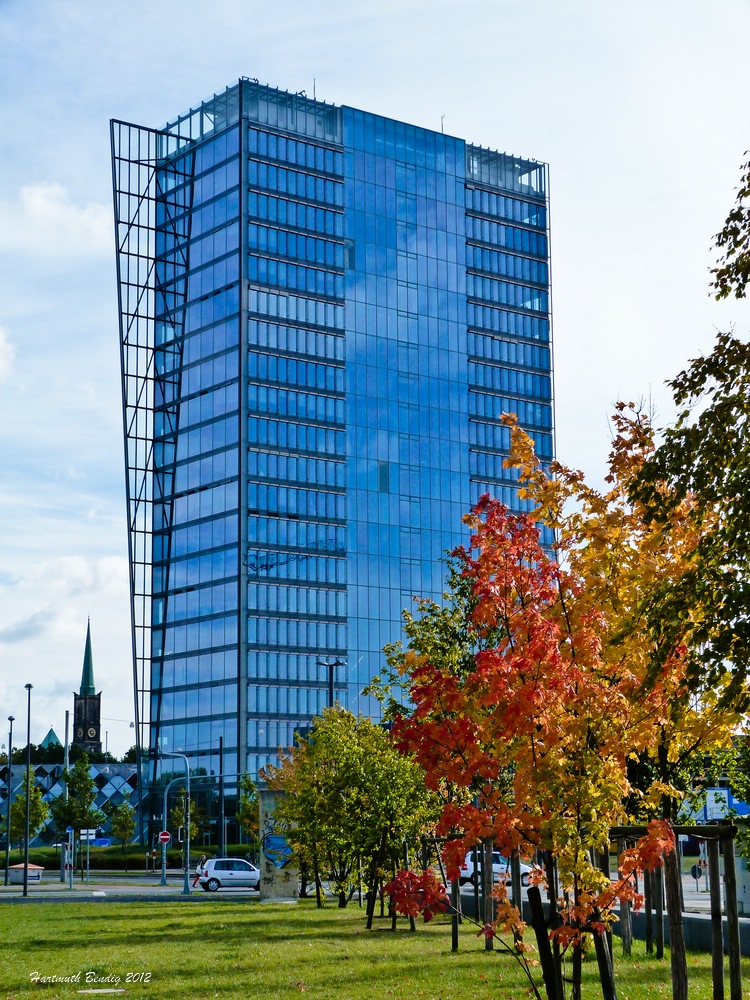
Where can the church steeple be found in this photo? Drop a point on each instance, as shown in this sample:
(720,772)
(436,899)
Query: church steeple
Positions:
(87,677)
(87,705)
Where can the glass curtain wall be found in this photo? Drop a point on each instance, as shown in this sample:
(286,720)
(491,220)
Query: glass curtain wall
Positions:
(296,557)
(406,377)
(508,315)
(324,315)
(195,545)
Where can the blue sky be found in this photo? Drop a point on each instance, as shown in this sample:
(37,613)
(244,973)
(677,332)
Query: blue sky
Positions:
(640,109)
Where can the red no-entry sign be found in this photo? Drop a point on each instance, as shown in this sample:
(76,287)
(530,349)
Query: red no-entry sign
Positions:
(164,837)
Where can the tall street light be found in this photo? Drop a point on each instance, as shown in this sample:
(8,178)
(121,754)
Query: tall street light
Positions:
(331,667)
(164,827)
(171,753)
(11,720)
(28,790)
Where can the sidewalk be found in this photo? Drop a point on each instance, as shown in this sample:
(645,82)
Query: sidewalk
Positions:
(143,886)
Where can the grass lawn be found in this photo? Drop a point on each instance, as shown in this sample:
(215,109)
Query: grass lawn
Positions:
(222,948)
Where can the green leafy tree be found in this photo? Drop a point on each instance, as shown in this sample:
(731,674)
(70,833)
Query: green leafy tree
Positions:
(39,755)
(733,272)
(733,764)
(198,818)
(704,460)
(38,812)
(78,809)
(350,797)
(439,631)
(204,790)
(75,752)
(122,825)
(247,814)
(54,753)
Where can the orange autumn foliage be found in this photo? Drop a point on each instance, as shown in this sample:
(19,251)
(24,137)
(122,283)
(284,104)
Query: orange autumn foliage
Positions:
(539,731)
(569,679)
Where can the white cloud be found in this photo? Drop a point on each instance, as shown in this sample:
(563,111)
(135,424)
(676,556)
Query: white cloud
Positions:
(67,576)
(29,628)
(45,222)
(7,355)
(43,615)
(635,200)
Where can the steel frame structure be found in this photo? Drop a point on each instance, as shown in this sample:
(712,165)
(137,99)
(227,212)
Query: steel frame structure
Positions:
(145,172)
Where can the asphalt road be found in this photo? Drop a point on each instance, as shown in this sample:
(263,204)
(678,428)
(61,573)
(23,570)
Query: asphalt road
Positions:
(143,886)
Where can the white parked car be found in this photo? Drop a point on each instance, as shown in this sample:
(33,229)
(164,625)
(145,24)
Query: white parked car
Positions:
(500,868)
(228,873)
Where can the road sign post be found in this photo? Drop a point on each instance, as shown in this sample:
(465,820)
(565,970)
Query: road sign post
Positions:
(69,854)
(88,836)
(164,837)
(168,753)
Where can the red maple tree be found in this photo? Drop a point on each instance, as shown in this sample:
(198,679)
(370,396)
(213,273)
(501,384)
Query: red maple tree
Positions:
(529,738)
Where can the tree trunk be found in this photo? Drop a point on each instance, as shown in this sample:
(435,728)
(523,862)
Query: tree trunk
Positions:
(455,903)
(475,881)
(372,889)
(676,930)
(303,880)
(370,909)
(412,922)
(657,884)
(606,969)
(577,963)
(626,920)
(604,865)
(546,958)
(515,881)
(672,880)
(553,890)
(316,876)
(733,920)
(487,902)
(717,934)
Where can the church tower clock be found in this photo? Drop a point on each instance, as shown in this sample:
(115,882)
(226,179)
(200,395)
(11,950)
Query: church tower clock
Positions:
(87,711)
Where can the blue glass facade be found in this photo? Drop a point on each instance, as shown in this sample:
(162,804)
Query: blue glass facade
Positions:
(343,305)
(406,375)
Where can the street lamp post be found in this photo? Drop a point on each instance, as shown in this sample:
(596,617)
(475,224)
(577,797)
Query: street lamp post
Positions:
(11,720)
(66,853)
(28,790)
(220,838)
(332,664)
(171,753)
(164,827)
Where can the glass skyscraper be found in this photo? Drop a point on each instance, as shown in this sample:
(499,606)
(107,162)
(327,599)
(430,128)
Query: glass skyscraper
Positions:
(323,315)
